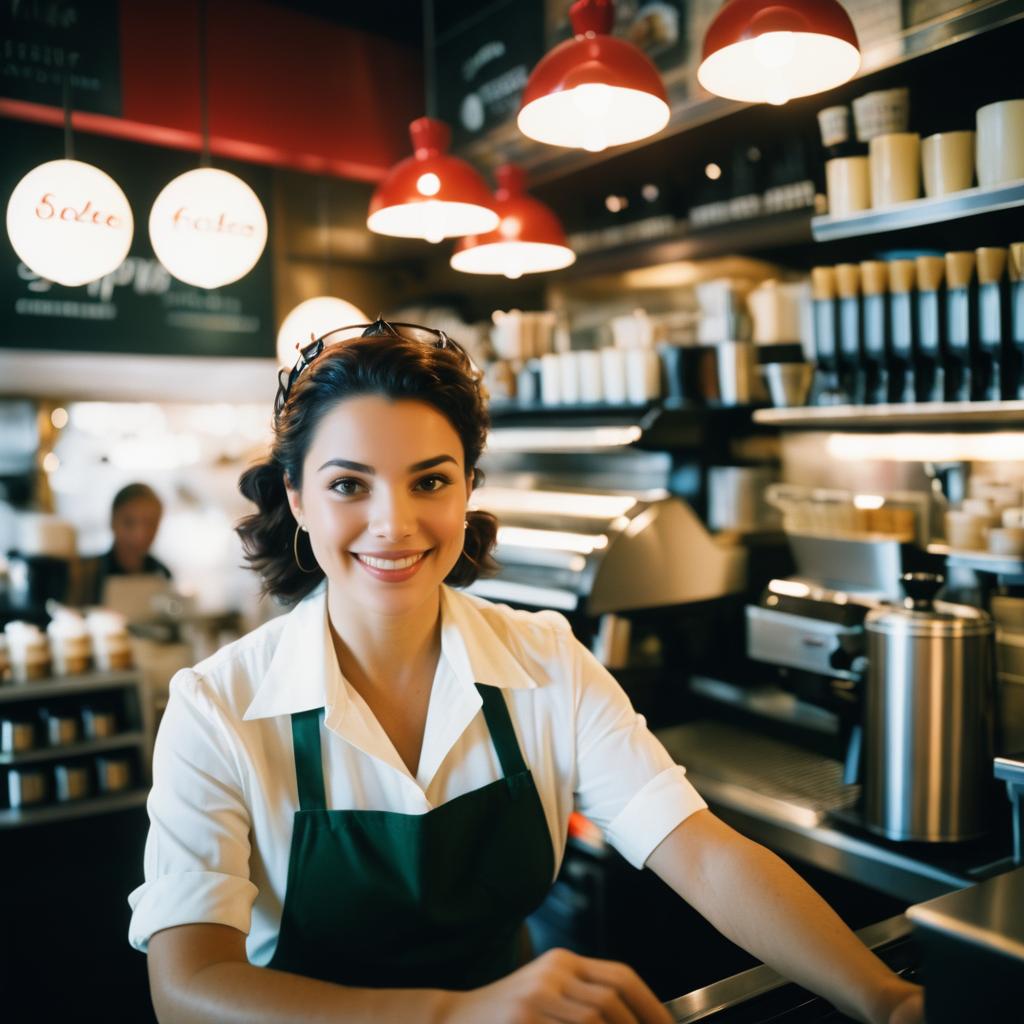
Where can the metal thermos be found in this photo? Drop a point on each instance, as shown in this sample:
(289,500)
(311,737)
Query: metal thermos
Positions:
(961,327)
(928,717)
(931,326)
(874,282)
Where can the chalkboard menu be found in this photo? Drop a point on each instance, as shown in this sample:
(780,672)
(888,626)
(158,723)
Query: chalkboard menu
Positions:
(139,308)
(483,63)
(42,42)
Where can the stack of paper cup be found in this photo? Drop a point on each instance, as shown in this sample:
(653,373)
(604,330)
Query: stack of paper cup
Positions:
(5,660)
(111,646)
(70,645)
(28,650)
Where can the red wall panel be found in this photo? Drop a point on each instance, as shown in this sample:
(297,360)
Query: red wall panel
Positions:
(284,88)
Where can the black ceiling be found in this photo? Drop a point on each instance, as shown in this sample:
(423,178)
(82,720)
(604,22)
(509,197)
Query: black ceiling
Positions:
(396,19)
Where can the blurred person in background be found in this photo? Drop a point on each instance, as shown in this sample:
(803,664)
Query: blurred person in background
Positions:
(135,519)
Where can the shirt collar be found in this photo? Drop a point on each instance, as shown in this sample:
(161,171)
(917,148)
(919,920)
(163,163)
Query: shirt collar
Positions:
(303,673)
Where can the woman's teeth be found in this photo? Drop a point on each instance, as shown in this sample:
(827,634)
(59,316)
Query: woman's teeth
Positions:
(385,563)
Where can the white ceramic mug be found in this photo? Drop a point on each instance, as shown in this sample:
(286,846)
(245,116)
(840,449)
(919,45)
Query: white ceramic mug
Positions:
(1000,146)
(848,184)
(613,375)
(895,161)
(947,160)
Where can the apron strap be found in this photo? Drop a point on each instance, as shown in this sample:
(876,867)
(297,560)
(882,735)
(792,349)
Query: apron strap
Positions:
(309,771)
(503,735)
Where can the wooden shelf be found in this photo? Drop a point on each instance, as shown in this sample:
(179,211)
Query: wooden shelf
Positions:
(971,202)
(951,415)
(121,739)
(45,814)
(61,686)
(980,561)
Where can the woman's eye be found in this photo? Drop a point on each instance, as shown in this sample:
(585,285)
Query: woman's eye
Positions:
(434,482)
(347,485)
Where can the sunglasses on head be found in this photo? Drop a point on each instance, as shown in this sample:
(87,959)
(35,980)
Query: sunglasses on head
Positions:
(378,329)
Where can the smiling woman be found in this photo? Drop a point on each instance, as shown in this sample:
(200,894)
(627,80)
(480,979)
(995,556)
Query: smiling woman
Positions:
(356,806)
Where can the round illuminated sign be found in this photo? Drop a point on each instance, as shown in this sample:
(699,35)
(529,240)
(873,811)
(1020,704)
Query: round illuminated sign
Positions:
(208,227)
(69,222)
(310,320)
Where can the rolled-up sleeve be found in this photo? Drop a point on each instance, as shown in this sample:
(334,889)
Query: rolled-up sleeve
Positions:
(197,851)
(626,782)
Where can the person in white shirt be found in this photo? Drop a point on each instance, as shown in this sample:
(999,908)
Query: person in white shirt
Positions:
(355,806)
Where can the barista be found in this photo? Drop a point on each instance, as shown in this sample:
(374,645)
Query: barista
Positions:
(134,518)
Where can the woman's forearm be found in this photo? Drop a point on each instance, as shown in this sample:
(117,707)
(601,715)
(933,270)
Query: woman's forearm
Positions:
(239,993)
(755,899)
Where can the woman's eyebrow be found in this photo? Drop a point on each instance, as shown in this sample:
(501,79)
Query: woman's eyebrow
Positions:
(360,467)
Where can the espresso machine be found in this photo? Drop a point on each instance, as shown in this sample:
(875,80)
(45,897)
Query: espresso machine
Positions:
(909,677)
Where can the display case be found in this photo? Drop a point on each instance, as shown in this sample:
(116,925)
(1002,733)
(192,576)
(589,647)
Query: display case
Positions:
(72,747)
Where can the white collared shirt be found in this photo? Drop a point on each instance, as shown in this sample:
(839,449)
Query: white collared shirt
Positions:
(224,790)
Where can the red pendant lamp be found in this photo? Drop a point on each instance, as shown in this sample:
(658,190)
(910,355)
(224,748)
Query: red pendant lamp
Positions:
(593,91)
(431,194)
(528,240)
(772,51)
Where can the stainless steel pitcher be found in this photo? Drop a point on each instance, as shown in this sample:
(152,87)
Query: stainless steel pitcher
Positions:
(928,717)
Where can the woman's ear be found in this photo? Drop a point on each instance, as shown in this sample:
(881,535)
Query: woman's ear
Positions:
(294,499)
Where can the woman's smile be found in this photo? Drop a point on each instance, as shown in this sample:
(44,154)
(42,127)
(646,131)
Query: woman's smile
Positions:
(393,570)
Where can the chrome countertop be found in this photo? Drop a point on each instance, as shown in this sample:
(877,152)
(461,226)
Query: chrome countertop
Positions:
(702,1003)
(990,914)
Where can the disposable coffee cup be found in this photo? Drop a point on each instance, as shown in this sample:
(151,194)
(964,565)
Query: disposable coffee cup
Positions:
(28,650)
(70,645)
(613,375)
(999,153)
(895,163)
(848,184)
(947,163)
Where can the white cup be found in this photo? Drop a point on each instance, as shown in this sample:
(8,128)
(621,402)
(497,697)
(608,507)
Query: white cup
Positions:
(895,161)
(588,366)
(848,184)
(568,377)
(550,379)
(947,160)
(1000,145)
(613,375)
(643,375)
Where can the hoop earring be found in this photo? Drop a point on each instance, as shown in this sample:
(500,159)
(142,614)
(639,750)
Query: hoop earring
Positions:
(295,549)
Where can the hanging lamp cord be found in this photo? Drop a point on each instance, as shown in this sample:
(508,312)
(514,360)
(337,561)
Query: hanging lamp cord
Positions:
(204,112)
(325,230)
(430,78)
(69,146)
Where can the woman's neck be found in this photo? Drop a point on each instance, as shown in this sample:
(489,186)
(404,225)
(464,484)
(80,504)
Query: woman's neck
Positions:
(385,652)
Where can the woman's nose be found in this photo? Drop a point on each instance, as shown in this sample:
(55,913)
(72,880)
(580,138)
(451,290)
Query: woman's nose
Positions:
(392,517)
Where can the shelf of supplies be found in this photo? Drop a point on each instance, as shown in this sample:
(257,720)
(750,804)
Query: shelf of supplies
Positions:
(62,686)
(980,561)
(873,417)
(121,739)
(16,817)
(970,202)
(745,235)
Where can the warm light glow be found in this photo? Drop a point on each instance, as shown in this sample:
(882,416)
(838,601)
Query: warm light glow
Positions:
(868,501)
(615,204)
(432,219)
(208,227)
(312,319)
(593,116)
(552,540)
(562,438)
(713,171)
(428,184)
(69,222)
(59,417)
(776,67)
(567,503)
(51,463)
(513,259)
(1001,447)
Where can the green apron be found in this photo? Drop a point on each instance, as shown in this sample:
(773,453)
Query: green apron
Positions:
(436,900)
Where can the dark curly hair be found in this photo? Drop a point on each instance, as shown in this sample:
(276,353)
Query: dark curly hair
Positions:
(394,367)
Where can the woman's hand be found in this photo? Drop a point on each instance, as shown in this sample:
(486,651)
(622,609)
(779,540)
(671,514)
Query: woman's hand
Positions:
(901,1002)
(564,987)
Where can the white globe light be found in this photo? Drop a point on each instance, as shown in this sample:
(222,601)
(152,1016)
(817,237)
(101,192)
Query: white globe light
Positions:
(69,222)
(310,320)
(208,228)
